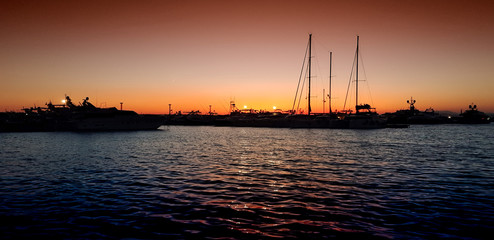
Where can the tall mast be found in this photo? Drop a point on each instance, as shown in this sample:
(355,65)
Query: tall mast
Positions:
(310,56)
(356,82)
(330,68)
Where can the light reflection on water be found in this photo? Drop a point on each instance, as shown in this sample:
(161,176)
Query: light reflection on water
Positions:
(221,182)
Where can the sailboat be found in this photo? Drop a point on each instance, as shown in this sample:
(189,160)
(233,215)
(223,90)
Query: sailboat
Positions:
(310,119)
(331,120)
(303,120)
(365,116)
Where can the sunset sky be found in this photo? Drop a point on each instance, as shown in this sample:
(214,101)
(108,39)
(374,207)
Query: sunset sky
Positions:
(192,54)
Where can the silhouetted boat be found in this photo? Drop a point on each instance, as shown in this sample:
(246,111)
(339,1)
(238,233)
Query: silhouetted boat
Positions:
(365,116)
(83,117)
(473,116)
(414,116)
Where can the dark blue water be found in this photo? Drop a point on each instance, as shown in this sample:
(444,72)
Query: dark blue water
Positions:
(424,182)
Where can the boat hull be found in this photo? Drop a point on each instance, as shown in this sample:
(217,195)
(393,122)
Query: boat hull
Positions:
(365,122)
(118,123)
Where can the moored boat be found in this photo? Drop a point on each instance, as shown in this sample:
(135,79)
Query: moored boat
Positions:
(473,116)
(415,116)
(365,116)
(82,117)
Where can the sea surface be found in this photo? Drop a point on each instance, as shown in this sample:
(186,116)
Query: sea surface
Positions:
(179,182)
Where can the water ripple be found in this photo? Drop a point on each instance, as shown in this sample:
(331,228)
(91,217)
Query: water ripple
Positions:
(241,183)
